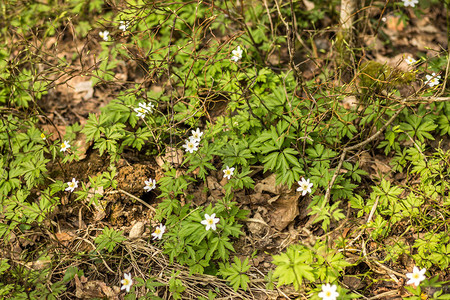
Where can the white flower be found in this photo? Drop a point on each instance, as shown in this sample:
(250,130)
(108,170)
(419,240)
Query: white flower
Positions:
(127,282)
(191,145)
(43,136)
(432,79)
(159,231)
(150,184)
(411,3)
(328,292)
(64,146)
(196,135)
(210,221)
(237,54)
(72,185)
(417,276)
(104,35)
(123,25)
(144,109)
(410,61)
(228,172)
(305,186)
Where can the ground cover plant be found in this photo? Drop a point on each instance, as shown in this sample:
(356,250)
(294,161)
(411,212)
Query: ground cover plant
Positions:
(225,149)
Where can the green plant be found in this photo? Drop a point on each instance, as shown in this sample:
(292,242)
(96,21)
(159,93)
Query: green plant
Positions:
(235,273)
(300,263)
(108,239)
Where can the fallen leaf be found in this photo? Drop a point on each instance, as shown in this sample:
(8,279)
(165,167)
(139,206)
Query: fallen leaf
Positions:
(394,23)
(93,289)
(85,86)
(64,237)
(284,210)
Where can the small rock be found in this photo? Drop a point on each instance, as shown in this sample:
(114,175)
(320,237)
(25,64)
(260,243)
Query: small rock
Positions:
(137,230)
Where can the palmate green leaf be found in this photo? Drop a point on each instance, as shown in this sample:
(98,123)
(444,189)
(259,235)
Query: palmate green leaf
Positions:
(270,161)
(282,162)
(223,248)
(94,126)
(288,176)
(109,238)
(293,267)
(444,124)
(343,188)
(290,153)
(417,126)
(235,154)
(33,169)
(236,273)
(136,139)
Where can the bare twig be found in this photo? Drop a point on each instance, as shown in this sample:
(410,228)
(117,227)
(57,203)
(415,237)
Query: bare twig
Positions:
(291,47)
(359,145)
(135,198)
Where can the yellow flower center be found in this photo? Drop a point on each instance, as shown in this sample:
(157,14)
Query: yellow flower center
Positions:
(328,293)
(63,145)
(71,184)
(42,135)
(228,172)
(190,145)
(157,231)
(416,275)
(304,186)
(126,281)
(210,221)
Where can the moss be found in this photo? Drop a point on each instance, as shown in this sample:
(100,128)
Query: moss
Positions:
(374,75)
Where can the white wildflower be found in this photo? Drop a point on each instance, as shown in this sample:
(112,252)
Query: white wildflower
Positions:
(196,135)
(328,292)
(432,79)
(104,35)
(417,276)
(210,221)
(304,186)
(72,185)
(64,146)
(127,282)
(237,54)
(159,231)
(123,25)
(143,109)
(410,61)
(411,3)
(228,172)
(150,184)
(191,145)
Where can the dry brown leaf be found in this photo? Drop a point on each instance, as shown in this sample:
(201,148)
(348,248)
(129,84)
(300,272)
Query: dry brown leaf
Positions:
(64,237)
(283,206)
(285,210)
(92,289)
(350,102)
(309,5)
(394,23)
(84,86)
(374,166)
(173,157)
